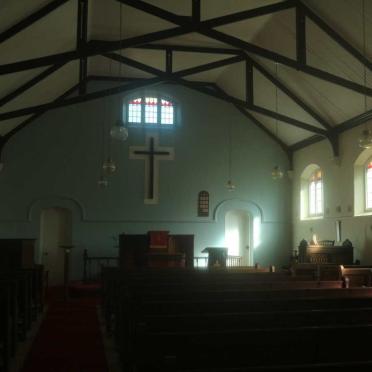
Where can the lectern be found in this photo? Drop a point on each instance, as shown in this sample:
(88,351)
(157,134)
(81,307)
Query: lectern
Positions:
(216,256)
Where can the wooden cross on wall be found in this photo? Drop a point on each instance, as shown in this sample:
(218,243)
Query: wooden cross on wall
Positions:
(151,153)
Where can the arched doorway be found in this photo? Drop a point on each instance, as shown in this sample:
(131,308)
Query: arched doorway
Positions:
(55,230)
(238,235)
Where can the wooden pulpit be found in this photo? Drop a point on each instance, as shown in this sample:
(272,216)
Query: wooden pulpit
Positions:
(217,256)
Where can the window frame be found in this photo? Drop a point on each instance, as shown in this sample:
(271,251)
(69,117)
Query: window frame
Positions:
(142,123)
(366,209)
(316,181)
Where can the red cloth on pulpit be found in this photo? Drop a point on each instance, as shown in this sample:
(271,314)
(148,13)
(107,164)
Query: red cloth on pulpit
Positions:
(159,239)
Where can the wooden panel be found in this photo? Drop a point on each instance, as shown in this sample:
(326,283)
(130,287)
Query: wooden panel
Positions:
(17,253)
(326,254)
(134,252)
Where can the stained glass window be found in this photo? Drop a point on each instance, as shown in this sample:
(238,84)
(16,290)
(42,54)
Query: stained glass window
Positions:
(151,110)
(134,110)
(369,185)
(316,194)
(167,112)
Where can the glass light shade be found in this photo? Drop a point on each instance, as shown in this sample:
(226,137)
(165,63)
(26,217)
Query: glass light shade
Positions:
(276,173)
(118,131)
(102,182)
(365,139)
(230,186)
(109,166)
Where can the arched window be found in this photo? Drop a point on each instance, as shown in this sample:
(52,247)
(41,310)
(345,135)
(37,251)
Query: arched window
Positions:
(316,194)
(368,185)
(150,110)
(203,204)
(363,183)
(312,201)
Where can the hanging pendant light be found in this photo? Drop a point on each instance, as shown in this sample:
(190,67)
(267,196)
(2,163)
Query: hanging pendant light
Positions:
(276,173)
(230,185)
(102,182)
(365,139)
(109,167)
(118,131)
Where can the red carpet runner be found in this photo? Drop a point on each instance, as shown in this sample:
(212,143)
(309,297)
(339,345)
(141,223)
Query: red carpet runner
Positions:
(69,339)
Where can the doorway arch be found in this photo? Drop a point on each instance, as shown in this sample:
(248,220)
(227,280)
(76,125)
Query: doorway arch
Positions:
(55,231)
(244,212)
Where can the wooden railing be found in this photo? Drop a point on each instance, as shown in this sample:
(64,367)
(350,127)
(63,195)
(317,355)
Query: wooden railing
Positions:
(93,266)
(232,261)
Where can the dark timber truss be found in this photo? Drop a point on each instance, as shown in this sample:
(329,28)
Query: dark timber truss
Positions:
(239,51)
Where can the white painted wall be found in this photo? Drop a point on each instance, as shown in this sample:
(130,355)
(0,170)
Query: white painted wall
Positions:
(338,179)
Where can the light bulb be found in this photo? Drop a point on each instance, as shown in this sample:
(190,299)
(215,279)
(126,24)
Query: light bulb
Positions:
(102,182)
(109,166)
(365,139)
(230,186)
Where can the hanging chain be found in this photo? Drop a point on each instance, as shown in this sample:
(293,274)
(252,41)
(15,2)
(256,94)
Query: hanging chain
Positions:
(229,151)
(364,53)
(120,37)
(276,99)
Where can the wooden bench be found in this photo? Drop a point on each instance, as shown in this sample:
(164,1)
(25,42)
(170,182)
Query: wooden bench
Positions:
(210,319)
(21,303)
(355,276)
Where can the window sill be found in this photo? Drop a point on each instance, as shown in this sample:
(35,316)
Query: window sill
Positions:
(151,126)
(312,218)
(366,213)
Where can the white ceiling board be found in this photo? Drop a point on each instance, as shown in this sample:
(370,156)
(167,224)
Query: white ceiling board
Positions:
(346,18)
(11,12)
(324,53)
(289,134)
(247,29)
(105,21)
(336,104)
(47,90)
(218,8)
(52,34)
(153,58)
(232,80)
(183,60)
(179,7)
(10,82)
(207,76)
(265,96)
(279,34)
(99,65)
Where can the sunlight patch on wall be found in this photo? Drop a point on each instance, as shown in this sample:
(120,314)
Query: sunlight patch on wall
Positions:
(256,232)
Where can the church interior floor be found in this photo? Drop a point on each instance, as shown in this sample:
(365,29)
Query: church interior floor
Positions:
(69,338)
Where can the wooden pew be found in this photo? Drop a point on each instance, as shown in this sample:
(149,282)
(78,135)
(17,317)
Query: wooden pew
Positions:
(251,347)
(6,322)
(356,276)
(162,316)
(317,271)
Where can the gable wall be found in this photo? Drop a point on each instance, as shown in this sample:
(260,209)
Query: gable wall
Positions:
(55,163)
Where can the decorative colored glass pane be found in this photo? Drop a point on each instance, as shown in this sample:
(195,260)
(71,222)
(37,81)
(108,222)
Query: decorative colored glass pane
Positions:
(167,112)
(151,110)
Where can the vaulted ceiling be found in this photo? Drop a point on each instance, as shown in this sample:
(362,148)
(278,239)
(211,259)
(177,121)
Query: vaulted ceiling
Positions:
(299,70)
